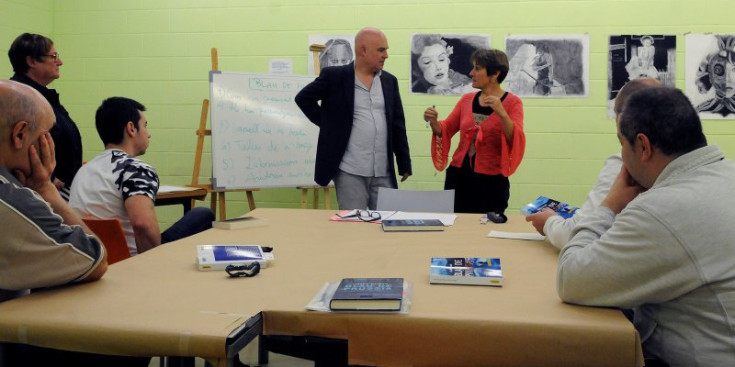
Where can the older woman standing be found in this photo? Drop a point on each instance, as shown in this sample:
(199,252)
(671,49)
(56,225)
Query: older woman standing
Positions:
(491,138)
(36,63)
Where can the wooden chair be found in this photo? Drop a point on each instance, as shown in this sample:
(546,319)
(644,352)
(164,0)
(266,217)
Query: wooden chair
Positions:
(110,232)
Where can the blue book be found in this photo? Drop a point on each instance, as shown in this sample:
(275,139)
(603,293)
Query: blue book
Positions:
(563,209)
(368,294)
(466,270)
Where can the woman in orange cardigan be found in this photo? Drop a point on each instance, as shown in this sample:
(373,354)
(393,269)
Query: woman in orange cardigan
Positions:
(491,138)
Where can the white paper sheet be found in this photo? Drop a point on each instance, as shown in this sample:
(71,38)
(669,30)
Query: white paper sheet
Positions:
(516,235)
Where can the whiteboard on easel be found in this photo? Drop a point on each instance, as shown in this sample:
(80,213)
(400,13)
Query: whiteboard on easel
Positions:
(260,138)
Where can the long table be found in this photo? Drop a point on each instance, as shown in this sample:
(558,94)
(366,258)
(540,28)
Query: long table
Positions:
(158,304)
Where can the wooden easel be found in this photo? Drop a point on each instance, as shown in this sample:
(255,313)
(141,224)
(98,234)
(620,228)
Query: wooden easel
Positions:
(315,50)
(216,194)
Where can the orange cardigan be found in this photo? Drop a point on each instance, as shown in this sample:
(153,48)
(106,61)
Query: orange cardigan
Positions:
(494,155)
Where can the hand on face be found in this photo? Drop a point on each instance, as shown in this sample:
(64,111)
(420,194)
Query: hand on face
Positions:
(622,192)
(42,165)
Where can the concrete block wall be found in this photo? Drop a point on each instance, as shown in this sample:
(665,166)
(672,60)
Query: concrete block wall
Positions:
(158,52)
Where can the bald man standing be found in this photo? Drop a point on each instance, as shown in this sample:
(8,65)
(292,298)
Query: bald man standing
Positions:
(361,124)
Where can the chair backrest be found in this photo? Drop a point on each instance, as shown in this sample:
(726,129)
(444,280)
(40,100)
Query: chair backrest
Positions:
(439,201)
(110,232)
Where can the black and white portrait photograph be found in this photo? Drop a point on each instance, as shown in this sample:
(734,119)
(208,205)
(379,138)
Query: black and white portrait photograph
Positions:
(339,50)
(440,63)
(548,65)
(710,74)
(639,56)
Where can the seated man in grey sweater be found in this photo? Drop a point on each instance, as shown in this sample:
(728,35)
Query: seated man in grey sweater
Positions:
(662,240)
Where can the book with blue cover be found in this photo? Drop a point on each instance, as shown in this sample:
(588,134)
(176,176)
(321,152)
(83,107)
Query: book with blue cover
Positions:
(563,209)
(368,294)
(466,270)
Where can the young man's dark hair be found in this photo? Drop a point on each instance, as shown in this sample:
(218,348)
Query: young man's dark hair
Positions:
(113,115)
(666,116)
(28,44)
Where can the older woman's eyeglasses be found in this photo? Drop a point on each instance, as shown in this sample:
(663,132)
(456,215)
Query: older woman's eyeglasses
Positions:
(54,56)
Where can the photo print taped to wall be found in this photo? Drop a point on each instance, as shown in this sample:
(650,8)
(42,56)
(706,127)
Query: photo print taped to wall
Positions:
(340,50)
(548,66)
(440,63)
(710,74)
(639,56)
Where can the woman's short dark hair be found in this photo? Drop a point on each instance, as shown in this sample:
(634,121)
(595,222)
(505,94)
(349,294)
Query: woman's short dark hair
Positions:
(666,116)
(112,117)
(28,44)
(493,61)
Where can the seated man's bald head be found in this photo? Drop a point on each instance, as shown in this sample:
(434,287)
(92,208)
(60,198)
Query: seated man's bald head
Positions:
(19,102)
(630,88)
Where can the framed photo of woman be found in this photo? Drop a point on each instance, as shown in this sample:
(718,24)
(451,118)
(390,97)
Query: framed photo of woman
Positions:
(440,63)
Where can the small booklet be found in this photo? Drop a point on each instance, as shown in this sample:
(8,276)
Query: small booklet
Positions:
(563,209)
(412,225)
(240,222)
(217,257)
(466,270)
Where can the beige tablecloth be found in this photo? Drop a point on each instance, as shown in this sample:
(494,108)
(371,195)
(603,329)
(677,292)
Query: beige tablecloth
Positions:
(157,303)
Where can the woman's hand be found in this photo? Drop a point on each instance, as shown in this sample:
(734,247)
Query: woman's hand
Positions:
(430,116)
(493,102)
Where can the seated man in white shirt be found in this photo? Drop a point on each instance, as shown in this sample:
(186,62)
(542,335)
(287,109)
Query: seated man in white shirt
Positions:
(115,184)
(44,243)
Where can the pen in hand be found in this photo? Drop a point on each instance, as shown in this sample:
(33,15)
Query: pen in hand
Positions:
(427,121)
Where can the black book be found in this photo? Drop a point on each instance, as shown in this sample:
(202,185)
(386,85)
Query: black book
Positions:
(412,225)
(368,294)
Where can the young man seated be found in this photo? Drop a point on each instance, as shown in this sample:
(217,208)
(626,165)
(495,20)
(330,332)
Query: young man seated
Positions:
(44,242)
(115,184)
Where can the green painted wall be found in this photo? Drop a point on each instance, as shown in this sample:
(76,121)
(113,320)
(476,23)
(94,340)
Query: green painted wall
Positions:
(18,16)
(157,51)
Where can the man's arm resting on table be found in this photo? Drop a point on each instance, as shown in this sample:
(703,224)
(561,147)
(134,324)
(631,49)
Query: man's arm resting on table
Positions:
(145,224)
